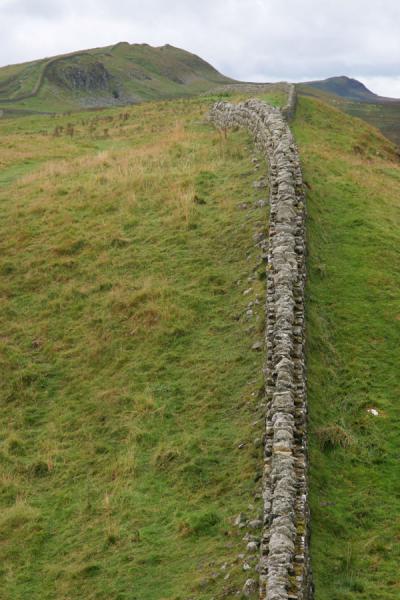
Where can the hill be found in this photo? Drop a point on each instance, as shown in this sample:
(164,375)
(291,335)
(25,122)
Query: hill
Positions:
(115,75)
(345,87)
(132,287)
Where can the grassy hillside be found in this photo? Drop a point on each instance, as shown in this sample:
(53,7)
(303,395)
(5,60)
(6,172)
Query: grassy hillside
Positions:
(130,405)
(384,116)
(353,179)
(375,110)
(131,398)
(115,75)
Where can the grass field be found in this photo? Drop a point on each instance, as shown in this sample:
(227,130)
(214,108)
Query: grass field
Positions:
(353,179)
(131,397)
(130,382)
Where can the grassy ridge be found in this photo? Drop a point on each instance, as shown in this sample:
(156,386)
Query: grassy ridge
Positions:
(353,175)
(131,382)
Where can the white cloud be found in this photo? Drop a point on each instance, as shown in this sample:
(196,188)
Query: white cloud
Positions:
(246,39)
(383,86)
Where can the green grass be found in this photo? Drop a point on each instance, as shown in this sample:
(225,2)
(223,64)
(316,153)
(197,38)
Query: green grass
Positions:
(130,380)
(353,317)
(17,80)
(383,115)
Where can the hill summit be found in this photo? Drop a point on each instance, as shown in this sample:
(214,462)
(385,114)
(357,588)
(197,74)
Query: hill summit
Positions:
(346,87)
(115,75)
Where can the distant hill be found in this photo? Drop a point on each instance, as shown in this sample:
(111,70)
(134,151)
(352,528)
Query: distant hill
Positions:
(115,75)
(345,87)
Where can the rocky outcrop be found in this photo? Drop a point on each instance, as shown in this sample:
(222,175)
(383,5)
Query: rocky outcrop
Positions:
(90,77)
(284,562)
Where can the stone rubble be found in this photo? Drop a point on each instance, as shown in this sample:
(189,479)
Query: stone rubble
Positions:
(250,588)
(284,568)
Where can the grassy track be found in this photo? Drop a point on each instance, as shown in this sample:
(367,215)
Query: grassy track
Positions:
(353,176)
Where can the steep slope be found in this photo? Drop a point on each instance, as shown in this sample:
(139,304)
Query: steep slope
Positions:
(353,179)
(120,74)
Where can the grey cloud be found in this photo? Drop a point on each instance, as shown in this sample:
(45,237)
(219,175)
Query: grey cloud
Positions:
(33,9)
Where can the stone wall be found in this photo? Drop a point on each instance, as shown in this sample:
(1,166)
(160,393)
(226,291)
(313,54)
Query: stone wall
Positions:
(289,109)
(250,88)
(284,567)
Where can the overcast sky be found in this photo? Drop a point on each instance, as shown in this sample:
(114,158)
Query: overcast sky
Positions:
(252,40)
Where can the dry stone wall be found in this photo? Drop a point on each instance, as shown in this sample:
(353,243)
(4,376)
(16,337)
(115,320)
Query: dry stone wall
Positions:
(284,567)
(289,109)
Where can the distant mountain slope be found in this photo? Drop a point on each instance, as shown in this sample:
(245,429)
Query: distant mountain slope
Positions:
(345,87)
(115,75)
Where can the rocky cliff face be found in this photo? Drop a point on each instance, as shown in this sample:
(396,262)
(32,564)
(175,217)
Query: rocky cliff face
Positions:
(89,77)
